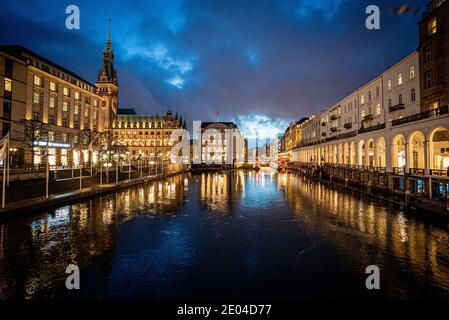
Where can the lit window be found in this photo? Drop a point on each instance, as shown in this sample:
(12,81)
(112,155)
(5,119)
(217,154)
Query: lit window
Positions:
(95,114)
(51,136)
(378,110)
(86,112)
(363,114)
(362,99)
(64,106)
(76,109)
(399,79)
(95,103)
(51,102)
(77,95)
(432,26)
(36,97)
(412,72)
(65,91)
(8,85)
(52,86)
(389,85)
(64,137)
(37,80)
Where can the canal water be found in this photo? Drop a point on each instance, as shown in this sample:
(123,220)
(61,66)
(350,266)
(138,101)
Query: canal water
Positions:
(238,235)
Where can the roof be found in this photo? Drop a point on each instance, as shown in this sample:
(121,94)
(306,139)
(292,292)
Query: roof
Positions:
(230,125)
(18,50)
(126,111)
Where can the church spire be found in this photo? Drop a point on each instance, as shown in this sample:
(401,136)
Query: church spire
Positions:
(107,72)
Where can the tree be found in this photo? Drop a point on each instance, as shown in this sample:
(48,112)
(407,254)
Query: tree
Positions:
(111,143)
(34,131)
(90,137)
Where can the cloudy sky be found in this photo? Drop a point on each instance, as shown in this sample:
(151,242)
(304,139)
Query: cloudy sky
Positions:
(259,63)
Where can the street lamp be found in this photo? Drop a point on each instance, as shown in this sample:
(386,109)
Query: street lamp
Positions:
(11,152)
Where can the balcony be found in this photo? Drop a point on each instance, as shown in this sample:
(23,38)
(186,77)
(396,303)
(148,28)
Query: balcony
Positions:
(323,123)
(323,134)
(348,125)
(379,126)
(334,129)
(368,117)
(420,116)
(439,173)
(399,106)
(399,170)
(333,117)
(417,171)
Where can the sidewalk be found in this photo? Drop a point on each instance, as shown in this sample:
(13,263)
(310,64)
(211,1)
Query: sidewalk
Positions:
(20,202)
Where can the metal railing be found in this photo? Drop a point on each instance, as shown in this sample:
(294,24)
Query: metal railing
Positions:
(420,116)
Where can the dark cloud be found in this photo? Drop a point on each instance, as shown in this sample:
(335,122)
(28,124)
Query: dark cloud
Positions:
(281,59)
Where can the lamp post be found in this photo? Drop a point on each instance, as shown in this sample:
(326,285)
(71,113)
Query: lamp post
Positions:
(117,158)
(11,152)
(129,168)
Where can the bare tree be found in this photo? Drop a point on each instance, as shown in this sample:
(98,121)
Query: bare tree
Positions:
(90,137)
(34,131)
(111,143)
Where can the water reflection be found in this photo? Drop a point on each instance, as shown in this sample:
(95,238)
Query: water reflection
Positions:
(243,234)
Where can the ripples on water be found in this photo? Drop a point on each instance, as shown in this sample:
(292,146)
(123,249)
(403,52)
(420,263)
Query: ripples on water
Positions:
(239,235)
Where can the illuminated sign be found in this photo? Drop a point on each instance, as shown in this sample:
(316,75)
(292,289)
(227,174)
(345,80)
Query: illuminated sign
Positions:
(52,144)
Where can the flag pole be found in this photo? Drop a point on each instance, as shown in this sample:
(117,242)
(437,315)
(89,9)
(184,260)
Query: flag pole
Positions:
(46,176)
(8,166)
(4,180)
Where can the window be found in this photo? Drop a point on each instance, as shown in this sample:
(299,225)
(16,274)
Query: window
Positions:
(76,109)
(389,103)
(36,116)
(52,86)
(86,112)
(362,99)
(37,80)
(434,105)
(440,75)
(51,102)
(65,91)
(378,109)
(64,137)
(95,114)
(95,103)
(36,97)
(412,72)
(432,26)
(75,139)
(51,119)
(400,99)
(389,85)
(64,106)
(377,91)
(413,95)
(51,136)
(6,106)
(77,95)
(428,55)
(399,79)
(363,114)
(369,95)
(8,84)
(428,79)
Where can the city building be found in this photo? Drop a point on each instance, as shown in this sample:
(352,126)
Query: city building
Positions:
(50,108)
(221,143)
(434,56)
(145,135)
